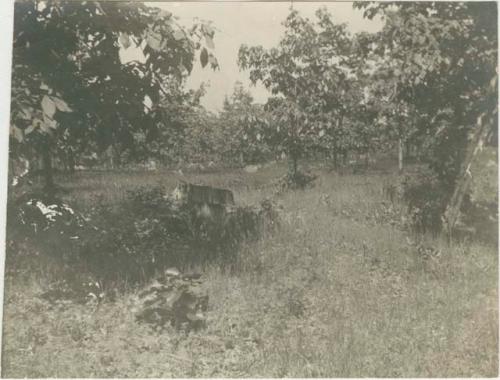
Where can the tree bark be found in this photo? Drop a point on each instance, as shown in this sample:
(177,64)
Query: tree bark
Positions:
(335,159)
(400,155)
(292,165)
(452,211)
(116,157)
(408,149)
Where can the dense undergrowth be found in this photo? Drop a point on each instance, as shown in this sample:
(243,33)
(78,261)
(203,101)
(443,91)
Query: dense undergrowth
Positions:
(129,242)
(343,287)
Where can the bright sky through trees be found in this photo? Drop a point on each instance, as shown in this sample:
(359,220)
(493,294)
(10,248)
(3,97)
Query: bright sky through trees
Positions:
(251,23)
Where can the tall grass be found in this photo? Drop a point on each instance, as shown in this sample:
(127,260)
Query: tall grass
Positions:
(336,291)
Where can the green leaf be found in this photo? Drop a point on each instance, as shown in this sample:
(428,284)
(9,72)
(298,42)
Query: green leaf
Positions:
(26,113)
(164,13)
(98,6)
(195,316)
(209,42)
(48,106)
(213,61)
(30,129)
(61,105)
(49,122)
(204,57)
(207,30)
(154,40)
(179,35)
(16,133)
(125,40)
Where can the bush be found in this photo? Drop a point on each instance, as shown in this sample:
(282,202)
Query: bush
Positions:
(37,222)
(426,200)
(299,181)
(132,241)
(134,238)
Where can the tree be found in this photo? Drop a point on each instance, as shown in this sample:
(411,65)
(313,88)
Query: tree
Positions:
(70,87)
(201,142)
(242,124)
(177,113)
(442,58)
(308,74)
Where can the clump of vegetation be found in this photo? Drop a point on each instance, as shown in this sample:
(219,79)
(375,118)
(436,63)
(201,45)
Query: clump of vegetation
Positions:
(173,298)
(296,181)
(425,199)
(136,238)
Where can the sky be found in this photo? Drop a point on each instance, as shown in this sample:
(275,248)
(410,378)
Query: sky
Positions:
(251,23)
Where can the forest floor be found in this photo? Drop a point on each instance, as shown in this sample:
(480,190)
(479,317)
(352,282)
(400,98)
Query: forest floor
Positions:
(339,290)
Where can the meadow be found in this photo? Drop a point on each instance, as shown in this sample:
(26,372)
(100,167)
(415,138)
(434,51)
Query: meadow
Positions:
(340,289)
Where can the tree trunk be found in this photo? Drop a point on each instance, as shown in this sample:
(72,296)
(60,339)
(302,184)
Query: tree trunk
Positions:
(339,128)
(400,155)
(116,157)
(335,156)
(408,149)
(47,168)
(292,166)
(465,176)
(71,161)
(344,157)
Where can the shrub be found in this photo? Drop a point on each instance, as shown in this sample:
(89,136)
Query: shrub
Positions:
(298,181)
(180,300)
(426,200)
(141,235)
(132,241)
(37,222)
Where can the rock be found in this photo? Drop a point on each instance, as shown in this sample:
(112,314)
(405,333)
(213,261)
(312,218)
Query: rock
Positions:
(251,168)
(177,299)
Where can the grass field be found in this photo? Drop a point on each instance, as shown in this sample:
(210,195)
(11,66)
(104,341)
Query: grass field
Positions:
(338,291)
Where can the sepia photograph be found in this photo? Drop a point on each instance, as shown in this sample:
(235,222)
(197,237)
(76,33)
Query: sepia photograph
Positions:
(246,189)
